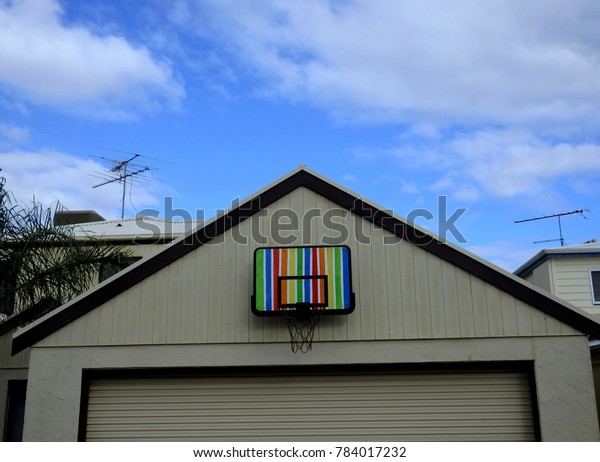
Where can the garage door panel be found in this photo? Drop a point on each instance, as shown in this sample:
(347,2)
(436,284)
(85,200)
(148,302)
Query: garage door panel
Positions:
(486,406)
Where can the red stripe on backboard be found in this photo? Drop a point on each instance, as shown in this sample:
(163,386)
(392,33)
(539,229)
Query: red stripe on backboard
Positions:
(315,271)
(276,278)
(322,296)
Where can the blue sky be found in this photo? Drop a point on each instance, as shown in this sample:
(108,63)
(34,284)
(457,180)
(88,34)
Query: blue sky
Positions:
(494,104)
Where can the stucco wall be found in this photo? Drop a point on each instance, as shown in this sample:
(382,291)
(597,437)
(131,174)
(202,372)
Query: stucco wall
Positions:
(562,368)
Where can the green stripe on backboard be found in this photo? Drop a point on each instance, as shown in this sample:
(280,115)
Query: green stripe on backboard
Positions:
(339,282)
(260,279)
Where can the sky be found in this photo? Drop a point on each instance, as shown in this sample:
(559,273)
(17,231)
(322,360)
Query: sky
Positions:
(492,106)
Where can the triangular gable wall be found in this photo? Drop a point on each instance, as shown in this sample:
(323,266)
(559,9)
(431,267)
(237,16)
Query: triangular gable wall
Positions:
(199,290)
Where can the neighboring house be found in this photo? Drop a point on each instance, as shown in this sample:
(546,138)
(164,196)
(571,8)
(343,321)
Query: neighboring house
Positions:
(441,345)
(572,273)
(141,236)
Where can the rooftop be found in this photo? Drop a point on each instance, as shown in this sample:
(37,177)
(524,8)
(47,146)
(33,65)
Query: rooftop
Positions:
(590,248)
(138,227)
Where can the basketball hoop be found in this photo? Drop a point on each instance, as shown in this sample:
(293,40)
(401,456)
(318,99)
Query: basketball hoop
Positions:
(301,284)
(301,324)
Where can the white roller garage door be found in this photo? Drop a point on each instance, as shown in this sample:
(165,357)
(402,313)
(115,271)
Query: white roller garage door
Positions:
(463,406)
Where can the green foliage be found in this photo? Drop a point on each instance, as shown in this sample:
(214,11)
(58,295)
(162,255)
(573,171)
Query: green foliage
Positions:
(42,266)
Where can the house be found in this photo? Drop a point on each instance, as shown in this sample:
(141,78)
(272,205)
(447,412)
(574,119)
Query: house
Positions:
(572,273)
(140,236)
(439,345)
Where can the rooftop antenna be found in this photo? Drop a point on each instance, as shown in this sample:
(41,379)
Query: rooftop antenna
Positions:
(556,215)
(120,170)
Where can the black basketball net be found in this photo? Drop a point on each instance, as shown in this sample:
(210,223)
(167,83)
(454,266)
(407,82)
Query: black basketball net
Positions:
(301,325)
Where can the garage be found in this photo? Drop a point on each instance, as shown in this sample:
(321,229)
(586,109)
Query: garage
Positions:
(384,405)
(428,342)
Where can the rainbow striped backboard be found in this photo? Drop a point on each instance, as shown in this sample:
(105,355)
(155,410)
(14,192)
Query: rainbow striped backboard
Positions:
(318,276)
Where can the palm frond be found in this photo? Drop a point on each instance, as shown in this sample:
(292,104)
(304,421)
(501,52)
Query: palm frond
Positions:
(42,266)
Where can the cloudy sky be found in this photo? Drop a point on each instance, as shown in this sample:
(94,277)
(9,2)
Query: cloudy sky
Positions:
(494,104)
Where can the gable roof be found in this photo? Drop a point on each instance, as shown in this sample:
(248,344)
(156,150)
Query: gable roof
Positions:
(302,177)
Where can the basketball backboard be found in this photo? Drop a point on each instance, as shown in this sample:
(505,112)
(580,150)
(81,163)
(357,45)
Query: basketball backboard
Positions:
(290,278)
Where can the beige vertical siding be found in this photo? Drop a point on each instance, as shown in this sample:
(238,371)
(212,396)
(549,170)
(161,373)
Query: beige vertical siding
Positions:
(402,292)
(571,279)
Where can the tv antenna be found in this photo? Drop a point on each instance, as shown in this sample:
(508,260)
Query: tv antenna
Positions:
(556,215)
(120,170)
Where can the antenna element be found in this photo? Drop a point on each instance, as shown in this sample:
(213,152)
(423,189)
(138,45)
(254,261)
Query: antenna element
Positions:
(119,171)
(556,215)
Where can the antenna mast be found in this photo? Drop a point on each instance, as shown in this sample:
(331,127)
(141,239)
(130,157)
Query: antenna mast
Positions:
(120,171)
(556,215)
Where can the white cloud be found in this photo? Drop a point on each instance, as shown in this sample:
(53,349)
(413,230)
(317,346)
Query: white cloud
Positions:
(510,163)
(498,98)
(497,61)
(68,67)
(10,134)
(53,177)
(501,163)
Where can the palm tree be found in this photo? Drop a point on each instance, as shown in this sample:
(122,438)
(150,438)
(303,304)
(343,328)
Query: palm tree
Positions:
(43,266)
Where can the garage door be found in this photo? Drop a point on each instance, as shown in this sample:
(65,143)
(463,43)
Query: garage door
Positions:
(443,406)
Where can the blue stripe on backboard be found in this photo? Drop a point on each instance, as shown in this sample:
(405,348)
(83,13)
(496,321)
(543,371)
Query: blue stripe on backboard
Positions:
(307,266)
(268,268)
(345,261)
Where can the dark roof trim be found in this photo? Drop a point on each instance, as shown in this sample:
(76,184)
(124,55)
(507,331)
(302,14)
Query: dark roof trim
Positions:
(12,322)
(342,198)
